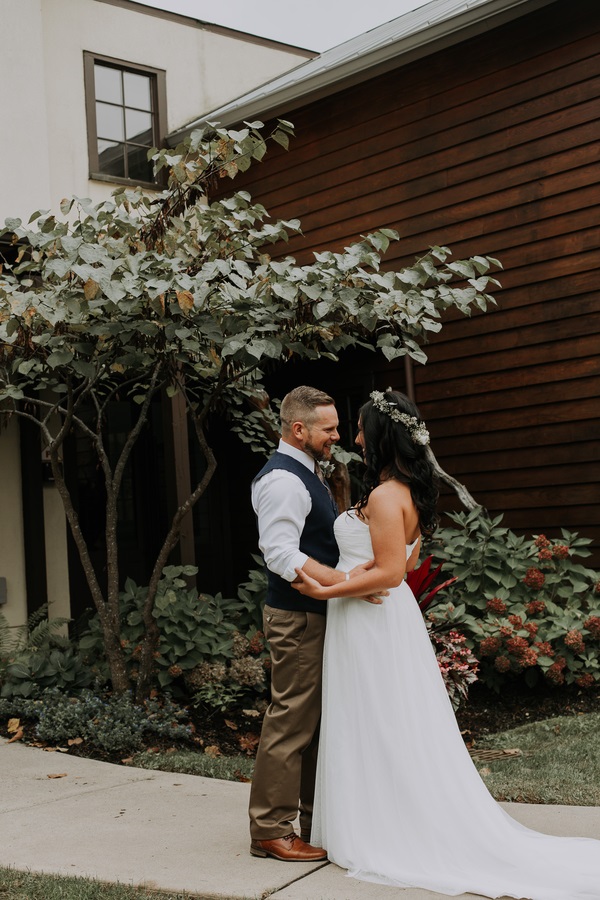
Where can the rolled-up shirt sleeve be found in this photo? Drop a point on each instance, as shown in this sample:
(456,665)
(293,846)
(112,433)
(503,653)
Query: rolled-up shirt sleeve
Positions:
(281,503)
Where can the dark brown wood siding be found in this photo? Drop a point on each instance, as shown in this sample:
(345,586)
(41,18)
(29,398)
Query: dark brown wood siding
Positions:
(489,147)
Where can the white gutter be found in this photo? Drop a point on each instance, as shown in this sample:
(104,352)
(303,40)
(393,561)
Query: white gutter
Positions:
(435,21)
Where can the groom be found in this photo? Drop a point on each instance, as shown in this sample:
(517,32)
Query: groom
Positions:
(295,512)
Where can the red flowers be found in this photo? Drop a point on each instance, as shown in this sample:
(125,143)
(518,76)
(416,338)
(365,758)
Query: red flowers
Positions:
(555,672)
(502,663)
(593,626)
(516,644)
(561,551)
(489,646)
(545,648)
(541,541)
(496,605)
(534,578)
(535,606)
(257,644)
(574,640)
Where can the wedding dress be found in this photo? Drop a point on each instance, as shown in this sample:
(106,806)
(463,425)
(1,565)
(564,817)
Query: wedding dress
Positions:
(398,799)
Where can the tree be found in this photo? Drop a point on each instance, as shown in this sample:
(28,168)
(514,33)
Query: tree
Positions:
(179,293)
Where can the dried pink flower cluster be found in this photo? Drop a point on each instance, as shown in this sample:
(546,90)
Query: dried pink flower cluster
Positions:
(247,671)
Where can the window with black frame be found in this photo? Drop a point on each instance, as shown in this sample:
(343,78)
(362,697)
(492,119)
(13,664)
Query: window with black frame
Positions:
(126,117)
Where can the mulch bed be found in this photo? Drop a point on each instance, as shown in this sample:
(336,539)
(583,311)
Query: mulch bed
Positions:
(489,713)
(234,733)
(484,713)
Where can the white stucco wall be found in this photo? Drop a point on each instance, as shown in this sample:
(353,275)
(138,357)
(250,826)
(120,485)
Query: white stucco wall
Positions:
(24,137)
(12,550)
(41,66)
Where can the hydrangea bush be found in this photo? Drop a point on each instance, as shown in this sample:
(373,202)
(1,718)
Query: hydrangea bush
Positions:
(211,651)
(526,606)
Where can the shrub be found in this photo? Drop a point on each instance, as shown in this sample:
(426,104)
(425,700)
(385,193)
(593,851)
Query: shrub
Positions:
(200,636)
(457,663)
(526,607)
(109,723)
(37,657)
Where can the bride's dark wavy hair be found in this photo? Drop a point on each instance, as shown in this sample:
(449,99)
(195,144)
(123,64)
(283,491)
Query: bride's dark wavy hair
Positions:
(390,449)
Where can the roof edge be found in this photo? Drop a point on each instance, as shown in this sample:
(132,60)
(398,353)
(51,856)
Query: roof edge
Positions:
(139,7)
(425,28)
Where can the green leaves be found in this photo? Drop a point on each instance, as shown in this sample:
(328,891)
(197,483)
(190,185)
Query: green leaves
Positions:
(180,292)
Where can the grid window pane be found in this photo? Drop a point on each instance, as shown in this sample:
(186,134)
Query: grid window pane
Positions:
(139,167)
(138,126)
(109,122)
(137,91)
(126,121)
(111,157)
(109,84)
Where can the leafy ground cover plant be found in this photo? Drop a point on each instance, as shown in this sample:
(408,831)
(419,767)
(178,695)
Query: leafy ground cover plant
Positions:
(457,663)
(38,656)
(525,605)
(106,723)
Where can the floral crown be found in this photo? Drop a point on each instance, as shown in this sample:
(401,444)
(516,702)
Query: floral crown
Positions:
(417,430)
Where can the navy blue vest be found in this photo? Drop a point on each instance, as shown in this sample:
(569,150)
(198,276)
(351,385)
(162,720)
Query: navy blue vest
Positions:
(317,539)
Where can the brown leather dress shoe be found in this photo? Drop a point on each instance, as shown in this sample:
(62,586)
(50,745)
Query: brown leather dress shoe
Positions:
(290,848)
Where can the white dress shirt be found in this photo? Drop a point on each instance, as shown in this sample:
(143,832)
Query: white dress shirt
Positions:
(282,503)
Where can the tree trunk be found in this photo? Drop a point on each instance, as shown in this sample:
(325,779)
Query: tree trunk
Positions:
(151,638)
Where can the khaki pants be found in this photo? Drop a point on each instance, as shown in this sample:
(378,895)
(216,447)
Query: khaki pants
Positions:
(284,774)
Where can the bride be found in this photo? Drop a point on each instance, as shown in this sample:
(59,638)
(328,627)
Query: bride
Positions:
(398,800)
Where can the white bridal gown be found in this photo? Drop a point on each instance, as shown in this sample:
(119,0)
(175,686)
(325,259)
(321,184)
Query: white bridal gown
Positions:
(398,799)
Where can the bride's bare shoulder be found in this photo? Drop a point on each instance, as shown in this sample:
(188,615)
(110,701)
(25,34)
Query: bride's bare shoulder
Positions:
(389,493)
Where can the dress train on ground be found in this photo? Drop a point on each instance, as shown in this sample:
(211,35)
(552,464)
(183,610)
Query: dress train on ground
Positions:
(398,799)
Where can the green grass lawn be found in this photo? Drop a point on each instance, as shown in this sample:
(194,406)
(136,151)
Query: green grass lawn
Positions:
(192,762)
(560,762)
(28,886)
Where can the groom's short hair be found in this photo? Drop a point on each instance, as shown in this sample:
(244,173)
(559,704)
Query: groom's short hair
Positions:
(300,405)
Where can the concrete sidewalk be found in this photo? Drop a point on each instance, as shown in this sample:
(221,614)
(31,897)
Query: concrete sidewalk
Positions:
(176,832)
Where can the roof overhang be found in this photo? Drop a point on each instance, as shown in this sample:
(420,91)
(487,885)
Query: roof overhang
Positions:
(419,33)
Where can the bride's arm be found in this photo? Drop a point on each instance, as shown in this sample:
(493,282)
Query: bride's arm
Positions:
(387,529)
(324,575)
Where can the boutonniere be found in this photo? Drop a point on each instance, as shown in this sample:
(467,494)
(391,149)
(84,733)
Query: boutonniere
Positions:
(327,467)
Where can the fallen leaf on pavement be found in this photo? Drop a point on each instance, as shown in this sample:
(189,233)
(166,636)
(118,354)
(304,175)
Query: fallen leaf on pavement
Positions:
(74,741)
(59,775)
(212,751)
(16,736)
(13,725)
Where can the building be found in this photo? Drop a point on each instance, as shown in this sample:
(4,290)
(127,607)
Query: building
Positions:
(473,125)
(89,86)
